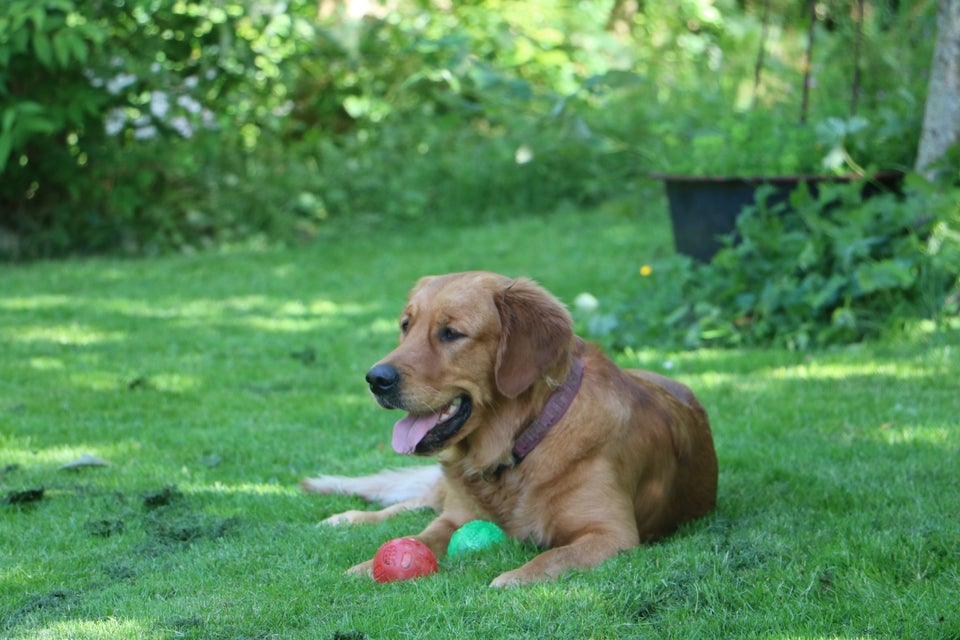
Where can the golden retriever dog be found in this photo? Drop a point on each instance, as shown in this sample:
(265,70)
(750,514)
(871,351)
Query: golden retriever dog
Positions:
(534,429)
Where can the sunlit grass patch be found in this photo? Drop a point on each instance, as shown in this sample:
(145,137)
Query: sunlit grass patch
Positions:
(212,384)
(72,334)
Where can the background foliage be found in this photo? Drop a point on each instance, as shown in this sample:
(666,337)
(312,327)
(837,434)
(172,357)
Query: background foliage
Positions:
(134,124)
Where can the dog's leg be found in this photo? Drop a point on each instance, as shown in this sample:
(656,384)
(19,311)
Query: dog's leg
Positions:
(436,536)
(401,490)
(610,528)
(586,551)
(355,516)
(386,487)
(456,511)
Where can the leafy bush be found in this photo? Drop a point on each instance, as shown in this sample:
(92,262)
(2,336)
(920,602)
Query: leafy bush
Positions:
(696,110)
(840,269)
(770,142)
(156,125)
(131,123)
(451,127)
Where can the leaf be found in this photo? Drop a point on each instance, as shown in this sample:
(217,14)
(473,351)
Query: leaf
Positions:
(844,317)
(6,145)
(41,46)
(9,116)
(855,124)
(78,49)
(882,275)
(38,16)
(30,126)
(828,293)
(6,136)
(62,47)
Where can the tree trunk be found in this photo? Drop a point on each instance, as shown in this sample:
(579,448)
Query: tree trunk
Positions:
(941,120)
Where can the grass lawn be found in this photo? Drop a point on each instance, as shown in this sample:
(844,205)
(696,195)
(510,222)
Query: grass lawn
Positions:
(213,383)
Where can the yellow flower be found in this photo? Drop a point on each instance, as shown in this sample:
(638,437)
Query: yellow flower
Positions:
(646,270)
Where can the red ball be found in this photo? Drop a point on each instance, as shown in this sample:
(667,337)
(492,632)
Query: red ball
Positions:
(403,559)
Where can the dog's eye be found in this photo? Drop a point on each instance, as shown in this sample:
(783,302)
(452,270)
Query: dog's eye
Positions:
(449,334)
(404,324)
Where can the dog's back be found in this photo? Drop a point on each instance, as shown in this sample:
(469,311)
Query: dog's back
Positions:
(695,486)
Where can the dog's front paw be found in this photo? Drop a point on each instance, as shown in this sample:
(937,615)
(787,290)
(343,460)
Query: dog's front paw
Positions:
(362,569)
(515,578)
(347,517)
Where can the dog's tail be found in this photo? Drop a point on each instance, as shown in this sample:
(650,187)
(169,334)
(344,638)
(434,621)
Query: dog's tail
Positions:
(411,484)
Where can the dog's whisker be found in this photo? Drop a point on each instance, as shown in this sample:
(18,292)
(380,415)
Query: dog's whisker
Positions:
(426,405)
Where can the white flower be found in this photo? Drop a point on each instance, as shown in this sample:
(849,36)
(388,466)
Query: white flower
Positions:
(208,119)
(159,104)
(115,121)
(95,80)
(182,126)
(189,104)
(145,133)
(523,155)
(284,109)
(120,82)
(586,302)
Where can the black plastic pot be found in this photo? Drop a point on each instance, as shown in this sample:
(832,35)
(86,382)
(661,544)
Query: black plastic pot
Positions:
(703,208)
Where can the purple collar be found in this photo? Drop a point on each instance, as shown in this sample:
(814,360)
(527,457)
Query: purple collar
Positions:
(555,408)
(557,405)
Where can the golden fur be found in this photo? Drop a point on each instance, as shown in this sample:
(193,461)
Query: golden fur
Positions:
(631,459)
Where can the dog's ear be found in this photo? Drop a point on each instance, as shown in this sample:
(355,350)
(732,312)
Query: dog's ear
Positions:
(535,331)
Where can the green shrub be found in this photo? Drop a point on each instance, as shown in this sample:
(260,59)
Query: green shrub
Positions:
(839,269)
(452,126)
(128,123)
(185,124)
(694,109)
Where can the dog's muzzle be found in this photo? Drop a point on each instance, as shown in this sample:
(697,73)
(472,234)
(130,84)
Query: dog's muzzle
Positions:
(384,381)
(425,429)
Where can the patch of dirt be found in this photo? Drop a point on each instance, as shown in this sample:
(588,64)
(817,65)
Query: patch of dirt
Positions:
(24,496)
(167,526)
(162,497)
(120,570)
(45,602)
(104,528)
(9,469)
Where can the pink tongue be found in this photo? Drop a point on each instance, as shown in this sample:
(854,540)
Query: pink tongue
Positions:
(409,431)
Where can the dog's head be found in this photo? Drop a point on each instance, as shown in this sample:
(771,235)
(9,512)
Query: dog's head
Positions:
(468,341)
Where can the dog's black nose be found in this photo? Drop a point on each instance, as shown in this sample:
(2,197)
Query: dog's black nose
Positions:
(383,378)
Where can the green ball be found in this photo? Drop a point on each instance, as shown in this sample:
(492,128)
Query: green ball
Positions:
(473,536)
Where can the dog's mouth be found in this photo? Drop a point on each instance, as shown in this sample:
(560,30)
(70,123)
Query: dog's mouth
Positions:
(423,434)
